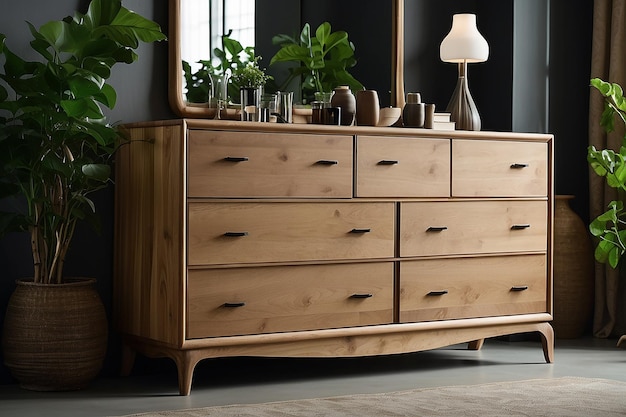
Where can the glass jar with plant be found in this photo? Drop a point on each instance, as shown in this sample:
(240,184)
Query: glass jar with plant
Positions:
(250,79)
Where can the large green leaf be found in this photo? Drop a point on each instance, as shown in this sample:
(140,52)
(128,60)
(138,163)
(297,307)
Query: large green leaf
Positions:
(82,108)
(99,172)
(322,33)
(102,12)
(292,53)
(85,84)
(305,36)
(128,28)
(107,96)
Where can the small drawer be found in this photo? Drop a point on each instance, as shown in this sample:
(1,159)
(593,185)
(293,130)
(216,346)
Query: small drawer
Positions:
(443,289)
(402,167)
(252,164)
(486,168)
(225,233)
(239,301)
(472,227)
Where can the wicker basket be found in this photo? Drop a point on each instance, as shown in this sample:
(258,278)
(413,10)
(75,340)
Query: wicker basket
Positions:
(55,335)
(573,272)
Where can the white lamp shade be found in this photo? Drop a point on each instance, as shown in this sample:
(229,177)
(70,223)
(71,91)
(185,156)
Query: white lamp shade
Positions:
(464,43)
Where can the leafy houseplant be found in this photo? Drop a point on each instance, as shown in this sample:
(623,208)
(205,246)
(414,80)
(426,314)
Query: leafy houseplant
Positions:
(55,142)
(609,226)
(55,150)
(324,59)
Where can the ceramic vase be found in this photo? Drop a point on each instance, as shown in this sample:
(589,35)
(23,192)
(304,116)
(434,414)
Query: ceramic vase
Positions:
(414,111)
(367,108)
(429,117)
(345,100)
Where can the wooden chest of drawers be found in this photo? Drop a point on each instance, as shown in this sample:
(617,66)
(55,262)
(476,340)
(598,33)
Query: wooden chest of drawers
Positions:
(263,239)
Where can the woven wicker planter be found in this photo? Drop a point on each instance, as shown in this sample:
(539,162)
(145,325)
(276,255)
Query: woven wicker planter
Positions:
(573,272)
(55,336)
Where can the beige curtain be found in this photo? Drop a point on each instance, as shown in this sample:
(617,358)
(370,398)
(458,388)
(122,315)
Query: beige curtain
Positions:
(608,61)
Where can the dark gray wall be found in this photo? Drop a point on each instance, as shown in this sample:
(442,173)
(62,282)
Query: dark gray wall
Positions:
(514,65)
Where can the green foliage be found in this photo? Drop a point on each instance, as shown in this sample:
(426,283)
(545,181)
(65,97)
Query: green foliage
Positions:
(234,60)
(55,142)
(324,59)
(609,226)
(198,84)
(250,75)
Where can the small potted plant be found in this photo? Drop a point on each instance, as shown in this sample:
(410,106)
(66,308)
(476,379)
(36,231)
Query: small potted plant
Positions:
(250,79)
(56,148)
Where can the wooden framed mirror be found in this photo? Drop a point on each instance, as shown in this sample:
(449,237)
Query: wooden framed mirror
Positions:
(176,93)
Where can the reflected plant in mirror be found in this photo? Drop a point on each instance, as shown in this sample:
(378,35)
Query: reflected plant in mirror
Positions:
(232,58)
(324,59)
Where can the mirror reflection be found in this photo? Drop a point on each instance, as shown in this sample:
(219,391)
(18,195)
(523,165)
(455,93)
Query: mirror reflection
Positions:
(206,35)
(213,32)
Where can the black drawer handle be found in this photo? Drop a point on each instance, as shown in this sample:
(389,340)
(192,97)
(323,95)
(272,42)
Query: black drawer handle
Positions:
(520,226)
(388,162)
(437,228)
(366,295)
(234,305)
(360,231)
(327,162)
(438,293)
(235,234)
(236,159)
(519,166)
(519,288)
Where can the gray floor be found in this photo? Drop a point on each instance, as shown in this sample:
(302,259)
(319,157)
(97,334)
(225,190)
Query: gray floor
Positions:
(252,380)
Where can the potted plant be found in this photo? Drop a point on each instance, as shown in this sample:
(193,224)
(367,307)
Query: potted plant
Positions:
(324,59)
(56,149)
(609,227)
(250,79)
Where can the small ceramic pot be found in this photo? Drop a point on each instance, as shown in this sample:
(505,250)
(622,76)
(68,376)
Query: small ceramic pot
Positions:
(367,108)
(344,99)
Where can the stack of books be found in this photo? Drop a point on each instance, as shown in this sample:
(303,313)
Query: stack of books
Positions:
(441,121)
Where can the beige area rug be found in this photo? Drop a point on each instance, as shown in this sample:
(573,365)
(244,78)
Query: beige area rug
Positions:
(539,397)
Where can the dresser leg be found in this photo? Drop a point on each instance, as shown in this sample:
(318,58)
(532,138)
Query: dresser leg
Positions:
(186,362)
(128,359)
(547,341)
(476,344)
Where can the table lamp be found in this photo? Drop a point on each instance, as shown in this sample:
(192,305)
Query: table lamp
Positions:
(462,45)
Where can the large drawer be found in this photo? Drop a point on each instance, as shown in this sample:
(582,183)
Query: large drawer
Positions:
(253,164)
(245,232)
(402,167)
(469,227)
(239,301)
(441,289)
(499,169)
